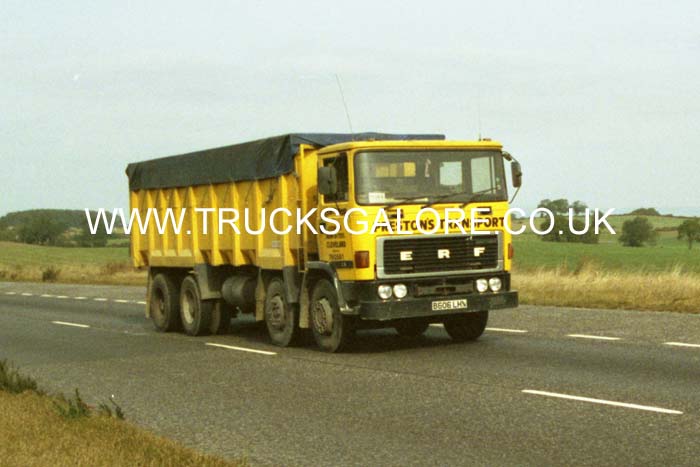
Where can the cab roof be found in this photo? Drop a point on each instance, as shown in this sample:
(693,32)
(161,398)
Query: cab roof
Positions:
(412,144)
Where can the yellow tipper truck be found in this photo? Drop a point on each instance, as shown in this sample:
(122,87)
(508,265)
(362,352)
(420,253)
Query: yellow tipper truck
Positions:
(332,232)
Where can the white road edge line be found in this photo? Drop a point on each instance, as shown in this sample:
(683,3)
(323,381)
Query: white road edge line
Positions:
(66,323)
(648,408)
(242,349)
(682,344)
(515,331)
(588,336)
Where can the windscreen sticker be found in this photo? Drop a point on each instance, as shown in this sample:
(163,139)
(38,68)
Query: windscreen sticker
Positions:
(377,197)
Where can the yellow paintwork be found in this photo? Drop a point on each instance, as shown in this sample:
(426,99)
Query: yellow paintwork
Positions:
(295,190)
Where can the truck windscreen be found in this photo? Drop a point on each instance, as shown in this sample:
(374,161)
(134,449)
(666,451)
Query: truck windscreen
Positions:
(383,177)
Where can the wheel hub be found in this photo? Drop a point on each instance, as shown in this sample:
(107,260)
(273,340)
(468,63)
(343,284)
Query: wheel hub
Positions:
(188,308)
(323,317)
(276,316)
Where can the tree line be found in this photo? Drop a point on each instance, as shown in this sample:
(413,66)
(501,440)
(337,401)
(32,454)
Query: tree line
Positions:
(636,232)
(52,227)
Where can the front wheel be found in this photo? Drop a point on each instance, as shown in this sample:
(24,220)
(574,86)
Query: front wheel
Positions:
(466,327)
(332,330)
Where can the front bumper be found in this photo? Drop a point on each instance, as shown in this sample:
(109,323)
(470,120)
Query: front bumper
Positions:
(363,301)
(383,310)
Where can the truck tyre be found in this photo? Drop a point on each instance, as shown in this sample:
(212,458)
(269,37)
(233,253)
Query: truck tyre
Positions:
(164,304)
(466,327)
(411,327)
(221,316)
(196,314)
(281,318)
(332,330)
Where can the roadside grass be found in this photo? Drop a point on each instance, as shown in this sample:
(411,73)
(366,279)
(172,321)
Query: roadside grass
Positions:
(12,381)
(112,265)
(591,287)
(38,430)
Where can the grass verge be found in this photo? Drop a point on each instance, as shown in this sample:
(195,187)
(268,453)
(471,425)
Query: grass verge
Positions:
(590,287)
(34,432)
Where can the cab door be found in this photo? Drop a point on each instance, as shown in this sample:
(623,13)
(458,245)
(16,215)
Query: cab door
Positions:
(336,248)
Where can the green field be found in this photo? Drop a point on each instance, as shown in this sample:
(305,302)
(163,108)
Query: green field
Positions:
(12,254)
(532,253)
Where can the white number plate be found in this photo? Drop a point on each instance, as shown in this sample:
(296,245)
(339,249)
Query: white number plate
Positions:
(446,305)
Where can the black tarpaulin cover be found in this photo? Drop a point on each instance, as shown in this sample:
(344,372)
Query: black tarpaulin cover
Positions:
(254,160)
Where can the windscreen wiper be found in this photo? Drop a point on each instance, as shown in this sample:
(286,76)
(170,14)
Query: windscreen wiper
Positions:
(471,199)
(404,201)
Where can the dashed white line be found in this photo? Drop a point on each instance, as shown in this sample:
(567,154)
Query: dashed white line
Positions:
(121,301)
(79,298)
(27,294)
(588,336)
(514,331)
(47,295)
(141,303)
(242,349)
(66,323)
(682,344)
(61,296)
(648,408)
(437,325)
(100,299)
(10,293)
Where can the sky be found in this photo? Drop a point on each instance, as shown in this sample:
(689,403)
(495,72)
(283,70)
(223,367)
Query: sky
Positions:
(600,101)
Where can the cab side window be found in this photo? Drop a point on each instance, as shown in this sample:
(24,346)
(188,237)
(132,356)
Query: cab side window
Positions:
(341,169)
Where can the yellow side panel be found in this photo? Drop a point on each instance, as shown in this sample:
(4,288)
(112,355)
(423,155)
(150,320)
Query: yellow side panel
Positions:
(206,233)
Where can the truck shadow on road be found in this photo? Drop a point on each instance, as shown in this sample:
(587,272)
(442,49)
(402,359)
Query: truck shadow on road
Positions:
(365,341)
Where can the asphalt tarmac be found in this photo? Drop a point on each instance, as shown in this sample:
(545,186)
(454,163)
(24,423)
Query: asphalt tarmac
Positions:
(542,386)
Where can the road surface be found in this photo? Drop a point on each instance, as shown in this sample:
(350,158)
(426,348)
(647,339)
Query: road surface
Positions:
(543,386)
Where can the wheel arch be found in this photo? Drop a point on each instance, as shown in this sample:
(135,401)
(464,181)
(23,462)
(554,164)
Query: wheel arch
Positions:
(315,271)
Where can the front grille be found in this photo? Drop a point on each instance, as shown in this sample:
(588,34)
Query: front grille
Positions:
(439,253)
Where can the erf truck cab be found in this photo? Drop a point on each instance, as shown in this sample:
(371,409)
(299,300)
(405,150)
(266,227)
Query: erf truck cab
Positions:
(330,232)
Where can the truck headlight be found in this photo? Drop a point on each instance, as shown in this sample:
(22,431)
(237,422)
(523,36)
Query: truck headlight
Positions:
(384,291)
(400,290)
(482,285)
(495,284)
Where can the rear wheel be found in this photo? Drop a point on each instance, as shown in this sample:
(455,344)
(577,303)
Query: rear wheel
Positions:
(164,304)
(411,328)
(332,330)
(467,327)
(281,318)
(221,316)
(196,314)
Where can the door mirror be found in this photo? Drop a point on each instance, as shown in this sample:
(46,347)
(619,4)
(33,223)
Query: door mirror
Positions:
(327,180)
(516,174)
